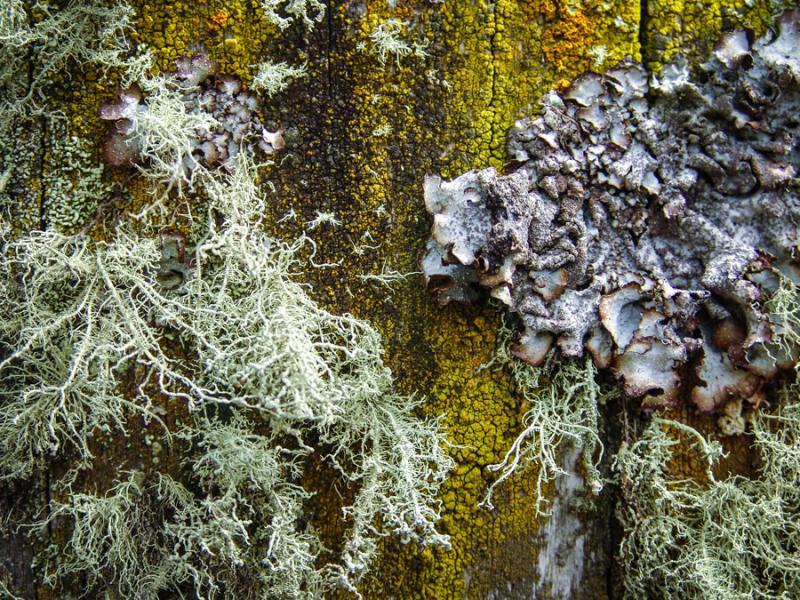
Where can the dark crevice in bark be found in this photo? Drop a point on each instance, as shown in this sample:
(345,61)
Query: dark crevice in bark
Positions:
(492,48)
(329,48)
(615,422)
(644,23)
(329,100)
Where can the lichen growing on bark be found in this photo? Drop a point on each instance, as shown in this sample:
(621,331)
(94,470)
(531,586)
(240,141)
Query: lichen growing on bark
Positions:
(646,222)
(195,117)
(82,318)
(727,538)
(209,342)
(563,413)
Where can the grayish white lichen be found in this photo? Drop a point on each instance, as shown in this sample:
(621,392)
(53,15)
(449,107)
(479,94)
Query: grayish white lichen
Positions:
(193,117)
(646,221)
(294,383)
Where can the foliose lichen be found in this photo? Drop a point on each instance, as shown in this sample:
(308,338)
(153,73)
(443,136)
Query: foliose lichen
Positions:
(646,221)
(192,117)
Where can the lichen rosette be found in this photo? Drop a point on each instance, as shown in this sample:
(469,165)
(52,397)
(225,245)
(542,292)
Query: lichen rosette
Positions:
(648,221)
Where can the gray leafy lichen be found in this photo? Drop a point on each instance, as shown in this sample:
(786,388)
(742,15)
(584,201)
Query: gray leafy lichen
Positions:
(195,116)
(646,221)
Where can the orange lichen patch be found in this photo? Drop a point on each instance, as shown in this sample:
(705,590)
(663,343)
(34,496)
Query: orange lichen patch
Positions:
(501,58)
(566,42)
(219,18)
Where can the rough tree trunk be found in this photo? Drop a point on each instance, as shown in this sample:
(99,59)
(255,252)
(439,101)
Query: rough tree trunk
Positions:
(361,136)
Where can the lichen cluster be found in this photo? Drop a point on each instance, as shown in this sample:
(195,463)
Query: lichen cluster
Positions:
(646,223)
(564,403)
(243,383)
(487,63)
(727,538)
(35,49)
(39,45)
(191,118)
(84,318)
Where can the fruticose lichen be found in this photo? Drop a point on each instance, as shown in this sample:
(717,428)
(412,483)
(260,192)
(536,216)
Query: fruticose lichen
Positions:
(730,538)
(386,41)
(274,77)
(647,222)
(34,51)
(193,117)
(40,45)
(564,404)
(82,318)
(199,338)
(284,12)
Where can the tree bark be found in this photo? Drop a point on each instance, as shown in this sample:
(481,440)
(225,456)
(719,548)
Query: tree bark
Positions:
(361,136)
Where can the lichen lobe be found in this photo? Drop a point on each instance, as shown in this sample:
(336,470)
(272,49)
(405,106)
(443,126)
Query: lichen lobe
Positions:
(227,119)
(644,220)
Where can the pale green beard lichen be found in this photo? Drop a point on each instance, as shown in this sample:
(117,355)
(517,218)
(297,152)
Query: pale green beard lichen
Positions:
(732,538)
(82,33)
(36,53)
(151,534)
(285,12)
(387,42)
(272,78)
(784,310)
(164,135)
(81,316)
(96,336)
(563,412)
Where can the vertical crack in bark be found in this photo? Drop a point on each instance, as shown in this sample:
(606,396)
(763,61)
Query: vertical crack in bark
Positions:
(329,100)
(329,48)
(492,49)
(493,74)
(644,22)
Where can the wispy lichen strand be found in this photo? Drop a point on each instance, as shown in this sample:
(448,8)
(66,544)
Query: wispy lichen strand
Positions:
(85,316)
(732,538)
(563,412)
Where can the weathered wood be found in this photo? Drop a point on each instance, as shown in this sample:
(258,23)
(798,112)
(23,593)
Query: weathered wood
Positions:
(361,135)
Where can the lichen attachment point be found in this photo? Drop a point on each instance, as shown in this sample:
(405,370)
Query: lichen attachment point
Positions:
(195,118)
